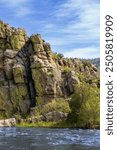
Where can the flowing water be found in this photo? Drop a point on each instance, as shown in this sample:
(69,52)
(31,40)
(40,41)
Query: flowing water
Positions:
(48,139)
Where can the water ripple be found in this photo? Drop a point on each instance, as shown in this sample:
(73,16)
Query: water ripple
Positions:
(46,138)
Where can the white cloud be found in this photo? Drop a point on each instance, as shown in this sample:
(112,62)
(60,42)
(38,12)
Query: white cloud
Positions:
(83,24)
(13,3)
(23,11)
(88,52)
(70,40)
(87,18)
(19,7)
(81,27)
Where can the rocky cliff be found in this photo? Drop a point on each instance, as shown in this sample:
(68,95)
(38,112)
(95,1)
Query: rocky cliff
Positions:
(31,75)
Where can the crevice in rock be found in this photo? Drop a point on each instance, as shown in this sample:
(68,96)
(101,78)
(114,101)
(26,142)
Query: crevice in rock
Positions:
(9,92)
(24,55)
(30,83)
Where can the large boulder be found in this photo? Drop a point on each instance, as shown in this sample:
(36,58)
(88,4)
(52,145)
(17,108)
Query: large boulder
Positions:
(8,122)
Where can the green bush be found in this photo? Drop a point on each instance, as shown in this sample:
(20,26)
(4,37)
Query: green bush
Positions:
(59,105)
(85,106)
(57,56)
(66,69)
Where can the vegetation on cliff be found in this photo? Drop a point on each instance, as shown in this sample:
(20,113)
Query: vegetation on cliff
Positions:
(37,85)
(85,106)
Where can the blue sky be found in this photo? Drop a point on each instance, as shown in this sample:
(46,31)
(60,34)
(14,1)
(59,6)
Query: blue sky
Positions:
(70,26)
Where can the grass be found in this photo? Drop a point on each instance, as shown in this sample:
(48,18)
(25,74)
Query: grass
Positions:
(60,124)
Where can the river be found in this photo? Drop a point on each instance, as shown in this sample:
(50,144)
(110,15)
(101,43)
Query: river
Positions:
(16,138)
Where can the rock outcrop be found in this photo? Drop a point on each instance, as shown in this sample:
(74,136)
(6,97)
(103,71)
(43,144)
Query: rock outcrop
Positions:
(8,122)
(31,75)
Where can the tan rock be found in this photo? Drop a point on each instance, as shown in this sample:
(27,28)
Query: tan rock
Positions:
(8,122)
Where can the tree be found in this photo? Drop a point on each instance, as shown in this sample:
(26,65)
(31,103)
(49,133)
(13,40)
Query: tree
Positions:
(85,107)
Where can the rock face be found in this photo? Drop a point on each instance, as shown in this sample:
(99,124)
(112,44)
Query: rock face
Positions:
(31,75)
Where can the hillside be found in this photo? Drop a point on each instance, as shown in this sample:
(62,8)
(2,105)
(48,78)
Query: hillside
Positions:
(95,61)
(32,77)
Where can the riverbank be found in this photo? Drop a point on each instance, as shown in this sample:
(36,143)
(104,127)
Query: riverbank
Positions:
(61,124)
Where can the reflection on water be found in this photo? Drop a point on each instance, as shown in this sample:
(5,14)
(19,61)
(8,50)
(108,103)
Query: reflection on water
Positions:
(48,139)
